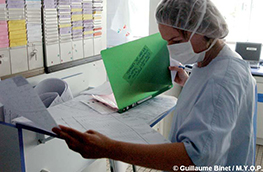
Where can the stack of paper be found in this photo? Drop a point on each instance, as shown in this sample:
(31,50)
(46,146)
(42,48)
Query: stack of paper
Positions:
(16,14)
(4,40)
(34,25)
(3,11)
(33,4)
(76,17)
(15,4)
(64,18)
(50,22)
(87,19)
(97,17)
(17,33)
(103,94)
(47,4)
(2,4)
(16,23)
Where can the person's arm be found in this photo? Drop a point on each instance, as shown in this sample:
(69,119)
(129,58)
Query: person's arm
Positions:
(161,156)
(92,144)
(181,76)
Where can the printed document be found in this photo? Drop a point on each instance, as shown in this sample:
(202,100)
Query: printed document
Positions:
(20,100)
(127,127)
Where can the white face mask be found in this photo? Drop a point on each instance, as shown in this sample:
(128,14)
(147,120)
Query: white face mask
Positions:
(184,53)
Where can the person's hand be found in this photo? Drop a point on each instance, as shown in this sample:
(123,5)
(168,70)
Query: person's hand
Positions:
(89,144)
(181,76)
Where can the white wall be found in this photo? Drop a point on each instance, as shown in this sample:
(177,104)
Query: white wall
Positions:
(79,78)
(153,27)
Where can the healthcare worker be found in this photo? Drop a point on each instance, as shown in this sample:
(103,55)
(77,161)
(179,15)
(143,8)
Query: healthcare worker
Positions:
(213,120)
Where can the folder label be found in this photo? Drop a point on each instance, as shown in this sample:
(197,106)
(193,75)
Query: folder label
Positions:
(138,65)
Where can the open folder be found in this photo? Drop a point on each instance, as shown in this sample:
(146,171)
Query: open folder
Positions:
(137,71)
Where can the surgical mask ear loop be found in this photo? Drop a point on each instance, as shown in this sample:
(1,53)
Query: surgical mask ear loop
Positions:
(211,45)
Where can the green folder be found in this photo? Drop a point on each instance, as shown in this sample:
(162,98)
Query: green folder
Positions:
(138,70)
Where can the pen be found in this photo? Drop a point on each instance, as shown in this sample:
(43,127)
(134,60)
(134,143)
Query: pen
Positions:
(181,67)
(184,68)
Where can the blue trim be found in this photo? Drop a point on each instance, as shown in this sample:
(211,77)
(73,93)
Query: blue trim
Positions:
(70,76)
(260,98)
(7,124)
(37,130)
(21,146)
(255,122)
(161,117)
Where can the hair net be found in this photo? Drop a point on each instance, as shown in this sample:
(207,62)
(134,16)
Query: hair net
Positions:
(197,16)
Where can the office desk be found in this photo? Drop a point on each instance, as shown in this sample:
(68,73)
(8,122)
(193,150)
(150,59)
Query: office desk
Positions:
(20,150)
(257,71)
(258,75)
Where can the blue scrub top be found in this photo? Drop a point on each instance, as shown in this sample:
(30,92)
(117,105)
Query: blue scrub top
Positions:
(214,113)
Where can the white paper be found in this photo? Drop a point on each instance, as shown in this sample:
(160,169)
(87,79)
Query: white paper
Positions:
(47,89)
(50,99)
(148,134)
(104,94)
(20,99)
(99,107)
(24,121)
(147,110)
(104,89)
(107,99)
(127,127)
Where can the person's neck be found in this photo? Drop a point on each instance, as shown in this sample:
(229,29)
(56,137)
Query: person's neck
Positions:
(212,53)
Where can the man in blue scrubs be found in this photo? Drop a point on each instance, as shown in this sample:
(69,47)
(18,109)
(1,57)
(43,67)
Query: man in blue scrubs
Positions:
(213,121)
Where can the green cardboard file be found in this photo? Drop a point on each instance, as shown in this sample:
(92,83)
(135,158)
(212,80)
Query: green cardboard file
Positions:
(138,70)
